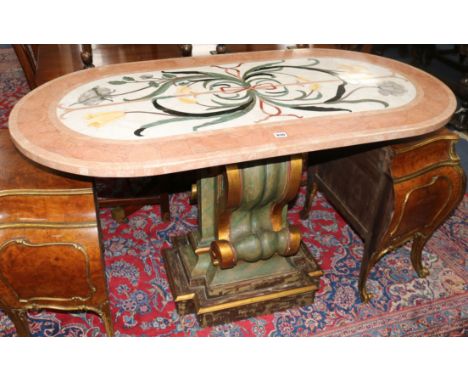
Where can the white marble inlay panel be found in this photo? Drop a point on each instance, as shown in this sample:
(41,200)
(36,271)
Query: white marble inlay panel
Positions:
(193,100)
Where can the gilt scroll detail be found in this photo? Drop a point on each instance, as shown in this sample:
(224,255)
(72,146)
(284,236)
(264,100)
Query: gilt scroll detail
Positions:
(252,223)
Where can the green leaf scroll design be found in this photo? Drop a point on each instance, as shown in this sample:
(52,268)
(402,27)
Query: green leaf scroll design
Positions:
(232,95)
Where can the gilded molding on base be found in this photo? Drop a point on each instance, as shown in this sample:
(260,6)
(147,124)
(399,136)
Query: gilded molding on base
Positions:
(185,297)
(223,254)
(233,198)
(318,273)
(194,193)
(290,191)
(294,240)
(253,300)
(202,250)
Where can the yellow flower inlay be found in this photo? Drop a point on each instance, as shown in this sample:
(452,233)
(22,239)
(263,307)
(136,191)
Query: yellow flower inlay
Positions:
(185,90)
(305,81)
(315,86)
(355,74)
(354,69)
(101,119)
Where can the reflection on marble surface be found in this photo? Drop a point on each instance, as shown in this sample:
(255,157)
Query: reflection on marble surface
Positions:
(167,103)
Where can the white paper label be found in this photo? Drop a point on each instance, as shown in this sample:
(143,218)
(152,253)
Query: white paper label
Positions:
(280,134)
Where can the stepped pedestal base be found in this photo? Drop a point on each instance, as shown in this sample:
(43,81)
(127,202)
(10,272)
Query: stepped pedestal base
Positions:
(222,296)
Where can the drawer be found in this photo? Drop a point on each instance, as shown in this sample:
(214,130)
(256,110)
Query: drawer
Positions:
(47,206)
(422,156)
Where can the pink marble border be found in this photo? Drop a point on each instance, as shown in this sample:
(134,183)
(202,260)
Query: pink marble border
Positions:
(39,134)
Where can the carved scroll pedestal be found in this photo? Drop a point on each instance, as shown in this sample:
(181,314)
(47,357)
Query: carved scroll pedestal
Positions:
(50,255)
(392,193)
(245,259)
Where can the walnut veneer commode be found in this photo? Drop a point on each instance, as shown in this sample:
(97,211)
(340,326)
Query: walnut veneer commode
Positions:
(392,193)
(245,119)
(50,255)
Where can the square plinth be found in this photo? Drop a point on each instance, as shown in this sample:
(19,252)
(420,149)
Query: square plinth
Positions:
(248,289)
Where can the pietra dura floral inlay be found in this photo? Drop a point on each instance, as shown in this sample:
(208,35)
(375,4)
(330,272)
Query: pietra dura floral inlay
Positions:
(165,103)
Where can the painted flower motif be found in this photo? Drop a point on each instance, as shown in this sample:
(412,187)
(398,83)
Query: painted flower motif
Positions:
(94,96)
(355,74)
(315,86)
(391,88)
(101,119)
(355,69)
(306,83)
(186,95)
(146,76)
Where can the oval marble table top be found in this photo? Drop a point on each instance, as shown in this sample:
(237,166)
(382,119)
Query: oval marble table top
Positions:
(164,116)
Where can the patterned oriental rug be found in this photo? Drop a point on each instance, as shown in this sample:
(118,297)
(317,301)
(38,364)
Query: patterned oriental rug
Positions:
(13,84)
(142,305)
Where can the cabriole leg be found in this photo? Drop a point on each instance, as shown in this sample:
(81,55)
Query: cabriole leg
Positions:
(19,317)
